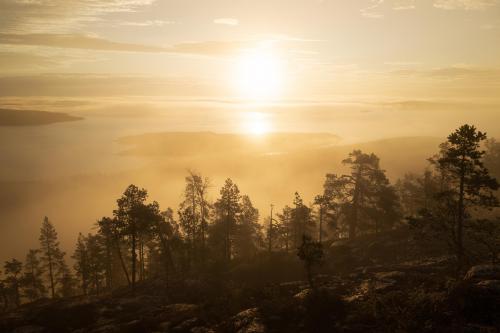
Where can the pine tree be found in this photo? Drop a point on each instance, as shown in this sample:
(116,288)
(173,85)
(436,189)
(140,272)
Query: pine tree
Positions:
(132,223)
(33,285)
(283,228)
(302,222)
(227,209)
(52,257)
(248,233)
(109,230)
(194,212)
(468,182)
(13,270)
(81,257)
(311,253)
(96,261)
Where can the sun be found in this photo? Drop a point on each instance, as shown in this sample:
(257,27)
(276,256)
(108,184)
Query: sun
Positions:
(259,74)
(256,123)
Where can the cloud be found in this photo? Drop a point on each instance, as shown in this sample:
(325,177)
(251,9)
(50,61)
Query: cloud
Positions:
(372,10)
(148,23)
(101,85)
(210,47)
(59,15)
(466,73)
(404,4)
(88,42)
(18,61)
(227,21)
(75,41)
(464,4)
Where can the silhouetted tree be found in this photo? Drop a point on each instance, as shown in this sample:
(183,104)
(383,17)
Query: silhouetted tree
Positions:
(311,253)
(52,257)
(322,201)
(248,234)
(13,270)
(131,222)
(108,228)
(302,222)
(468,181)
(283,228)
(492,157)
(486,233)
(32,281)
(272,231)
(66,281)
(386,210)
(96,261)
(4,292)
(194,212)
(227,209)
(81,257)
(417,192)
(362,184)
(162,232)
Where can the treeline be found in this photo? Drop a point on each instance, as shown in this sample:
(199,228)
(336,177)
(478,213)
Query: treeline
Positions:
(452,202)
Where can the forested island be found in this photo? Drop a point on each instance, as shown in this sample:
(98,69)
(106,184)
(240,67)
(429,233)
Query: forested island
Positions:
(366,255)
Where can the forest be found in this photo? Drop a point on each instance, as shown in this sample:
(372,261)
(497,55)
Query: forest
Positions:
(420,254)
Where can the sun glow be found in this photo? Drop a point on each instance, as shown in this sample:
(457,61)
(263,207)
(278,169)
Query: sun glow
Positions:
(259,74)
(256,123)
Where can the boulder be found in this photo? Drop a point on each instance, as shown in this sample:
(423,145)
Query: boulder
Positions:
(391,276)
(483,272)
(248,321)
(490,286)
(301,296)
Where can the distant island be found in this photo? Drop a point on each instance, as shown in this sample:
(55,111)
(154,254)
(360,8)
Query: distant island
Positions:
(12,117)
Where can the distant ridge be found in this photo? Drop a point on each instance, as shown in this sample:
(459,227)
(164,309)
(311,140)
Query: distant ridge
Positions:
(13,117)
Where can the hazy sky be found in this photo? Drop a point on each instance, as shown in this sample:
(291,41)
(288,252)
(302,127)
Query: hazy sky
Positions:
(281,50)
(360,69)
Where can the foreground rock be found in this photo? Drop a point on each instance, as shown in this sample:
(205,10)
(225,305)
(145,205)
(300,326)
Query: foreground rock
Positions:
(483,272)
(248,321)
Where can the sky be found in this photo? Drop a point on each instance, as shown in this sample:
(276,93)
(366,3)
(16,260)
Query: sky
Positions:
(284,51)
(359,70)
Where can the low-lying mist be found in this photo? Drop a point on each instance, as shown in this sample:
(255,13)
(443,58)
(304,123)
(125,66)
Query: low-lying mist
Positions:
(74,171)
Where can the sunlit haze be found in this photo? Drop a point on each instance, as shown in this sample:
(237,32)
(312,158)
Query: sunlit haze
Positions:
(240,118)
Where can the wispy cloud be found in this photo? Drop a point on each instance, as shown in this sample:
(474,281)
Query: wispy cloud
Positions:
(90,42)
(20,61)
(85,42)
(59,15)
(404,4)
(227,21)
(464,4)
(148,23)
(74,41)
(86,85)
(458,72)
(372,11)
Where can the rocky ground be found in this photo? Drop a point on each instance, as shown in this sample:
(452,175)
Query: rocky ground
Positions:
(414,295)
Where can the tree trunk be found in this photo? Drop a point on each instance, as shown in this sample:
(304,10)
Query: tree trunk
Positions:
(320,223)
(51,273)
(122,262)
(134,259)
(460,220)
(271,231)
(108,265)
(354,219)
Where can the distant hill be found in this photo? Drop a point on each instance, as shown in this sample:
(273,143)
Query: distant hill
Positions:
(268,169)
(12,117)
